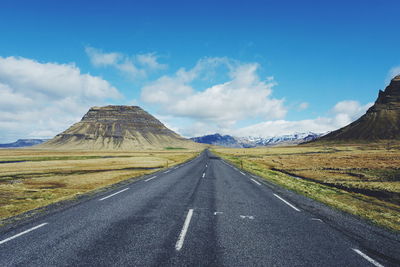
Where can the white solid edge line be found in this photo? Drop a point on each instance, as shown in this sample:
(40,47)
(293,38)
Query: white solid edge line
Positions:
(254,181)
(371,260)
(204,174)
(114,194)
(22,233)
(167,171)
(151,178)
(181,239)
(242,173)
(290,205)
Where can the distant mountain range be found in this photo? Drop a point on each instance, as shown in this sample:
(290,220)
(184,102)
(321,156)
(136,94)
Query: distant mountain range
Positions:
(23,143)
(248,142)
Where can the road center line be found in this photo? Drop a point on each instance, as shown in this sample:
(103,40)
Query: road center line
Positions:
(371,260)
(151,178)
(316,219)
(114,194)
(181,239)
(204,174)
(287,203)
(255,181)
(22,233)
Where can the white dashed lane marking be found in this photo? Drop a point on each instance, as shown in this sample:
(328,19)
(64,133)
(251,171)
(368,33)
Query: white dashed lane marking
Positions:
(247,217)
(22,233)
(181,239)
(365,256)
(151,178)
(113,194)
(287,203)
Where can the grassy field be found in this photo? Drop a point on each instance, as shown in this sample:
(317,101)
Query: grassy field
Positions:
(38,178)
(360,179)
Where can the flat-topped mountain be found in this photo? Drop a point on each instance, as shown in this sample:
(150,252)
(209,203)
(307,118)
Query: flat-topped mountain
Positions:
(117,128)
(381,122)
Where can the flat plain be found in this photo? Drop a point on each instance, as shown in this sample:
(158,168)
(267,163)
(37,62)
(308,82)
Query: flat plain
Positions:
(362,179)
(30,178)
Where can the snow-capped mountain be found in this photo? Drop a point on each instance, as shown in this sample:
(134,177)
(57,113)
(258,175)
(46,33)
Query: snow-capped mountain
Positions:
(251,141)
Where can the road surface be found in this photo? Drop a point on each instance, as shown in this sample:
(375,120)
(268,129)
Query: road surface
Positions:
(201,213)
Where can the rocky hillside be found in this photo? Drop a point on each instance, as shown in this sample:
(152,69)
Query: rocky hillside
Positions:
(381,122)
(117,128)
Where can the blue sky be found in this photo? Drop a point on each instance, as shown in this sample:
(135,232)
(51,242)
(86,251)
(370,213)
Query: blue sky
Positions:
(244,68)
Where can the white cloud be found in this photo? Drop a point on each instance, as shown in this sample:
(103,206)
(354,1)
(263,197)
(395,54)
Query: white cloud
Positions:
(149,60)
(100,59)
(243,97)
(51,80)
(343,113)
(282,127)
(129,68)
(165,91)
(138,66)
(45,97)
(347,111)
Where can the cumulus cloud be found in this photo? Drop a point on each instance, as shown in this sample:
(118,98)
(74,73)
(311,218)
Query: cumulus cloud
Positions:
(347,111)
(243,96)
(137,66)
(343,113)
(282,127)
(37,99)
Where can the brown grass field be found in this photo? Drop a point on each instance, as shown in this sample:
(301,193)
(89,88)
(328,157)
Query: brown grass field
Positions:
(45,177)
(360,179)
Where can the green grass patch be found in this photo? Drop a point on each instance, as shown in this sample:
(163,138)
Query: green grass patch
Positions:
(174,148)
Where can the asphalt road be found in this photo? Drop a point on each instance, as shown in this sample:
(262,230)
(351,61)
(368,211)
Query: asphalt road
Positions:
(202,213)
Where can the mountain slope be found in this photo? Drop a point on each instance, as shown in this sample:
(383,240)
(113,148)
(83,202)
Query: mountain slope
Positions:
(381,121)
(117,128)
